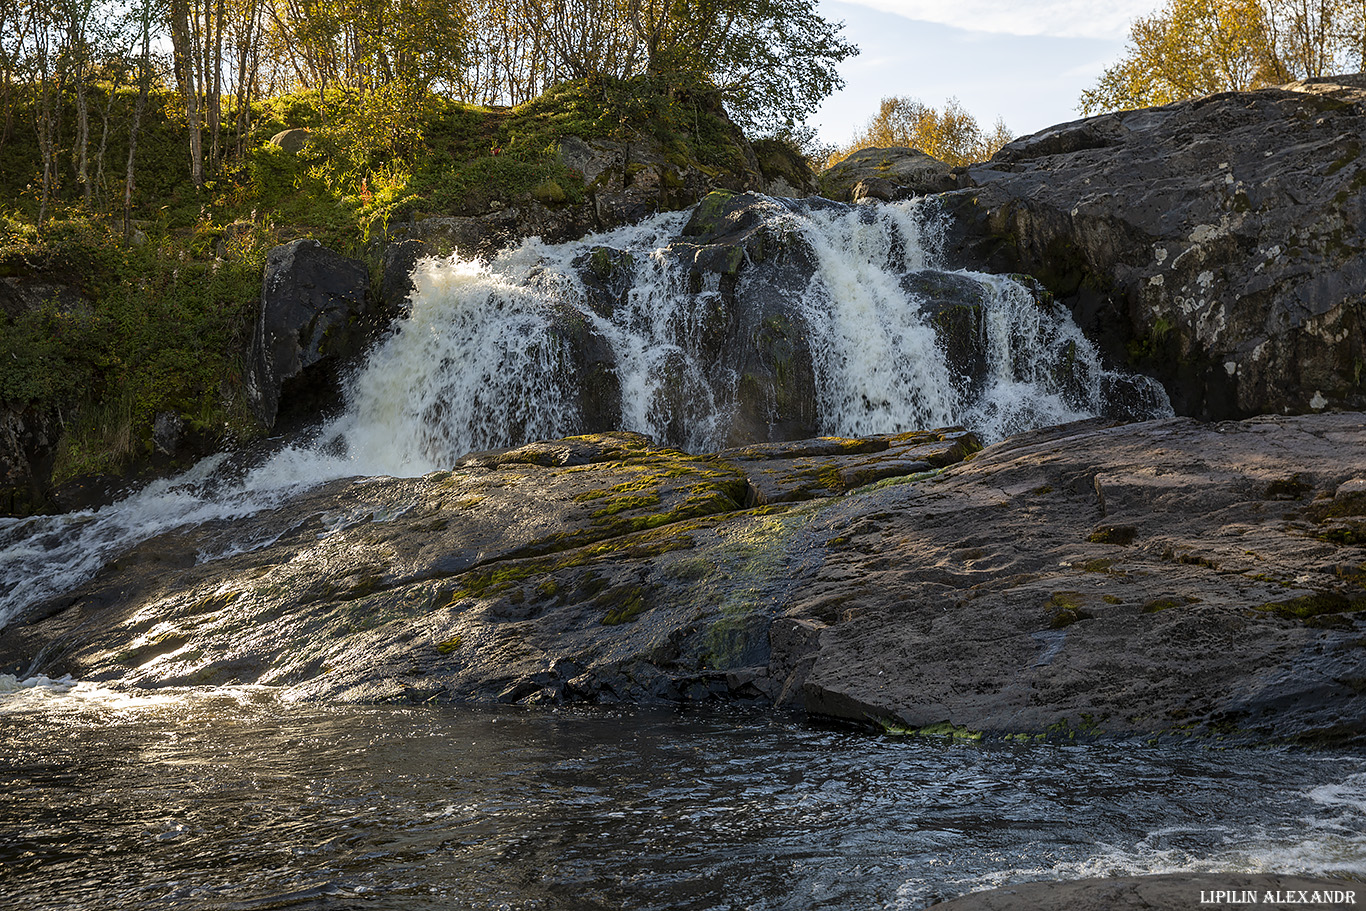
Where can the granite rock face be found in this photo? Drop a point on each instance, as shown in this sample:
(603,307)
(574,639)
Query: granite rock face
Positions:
(1218,244)
(1163,579)
(313,304)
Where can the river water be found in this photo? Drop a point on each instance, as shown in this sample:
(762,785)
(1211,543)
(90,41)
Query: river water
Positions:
(231,799)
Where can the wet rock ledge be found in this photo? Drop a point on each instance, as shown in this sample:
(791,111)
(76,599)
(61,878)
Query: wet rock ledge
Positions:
(1164,579)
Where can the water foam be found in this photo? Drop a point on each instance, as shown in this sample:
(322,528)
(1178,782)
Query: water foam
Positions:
(67,696)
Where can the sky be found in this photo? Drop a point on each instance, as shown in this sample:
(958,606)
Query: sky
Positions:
(1024,61)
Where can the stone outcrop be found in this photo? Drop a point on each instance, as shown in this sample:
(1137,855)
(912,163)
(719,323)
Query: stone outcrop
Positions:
(786,173)
(885,175)
(625,182)
(1218,244)
(313,310)
(1163,579)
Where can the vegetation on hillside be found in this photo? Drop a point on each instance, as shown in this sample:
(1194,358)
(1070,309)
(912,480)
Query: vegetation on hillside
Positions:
(168,306)
(952,134)
(375,66)
(1191,48)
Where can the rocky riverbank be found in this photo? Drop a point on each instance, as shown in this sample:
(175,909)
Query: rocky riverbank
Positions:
(1162,579)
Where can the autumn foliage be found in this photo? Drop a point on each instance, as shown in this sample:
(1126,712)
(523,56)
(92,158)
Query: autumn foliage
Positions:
(950,134)
(1191,48)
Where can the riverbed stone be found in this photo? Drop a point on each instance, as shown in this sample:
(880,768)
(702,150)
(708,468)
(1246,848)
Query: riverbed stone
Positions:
(1167,580)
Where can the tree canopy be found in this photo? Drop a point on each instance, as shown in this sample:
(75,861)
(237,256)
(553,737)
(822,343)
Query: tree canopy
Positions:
(1190,48)
(381,61)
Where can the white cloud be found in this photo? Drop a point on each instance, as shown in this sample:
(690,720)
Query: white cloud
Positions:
(1106,19)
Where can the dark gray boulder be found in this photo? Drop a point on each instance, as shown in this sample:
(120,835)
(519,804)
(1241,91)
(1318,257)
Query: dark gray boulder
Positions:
(1218,244)
(396,274)
(313,305)
(754,331)
(885,175)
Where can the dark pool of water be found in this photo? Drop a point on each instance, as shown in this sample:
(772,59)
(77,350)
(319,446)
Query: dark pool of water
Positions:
(236,801)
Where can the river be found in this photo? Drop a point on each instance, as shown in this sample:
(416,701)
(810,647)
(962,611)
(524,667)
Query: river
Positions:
(232,799)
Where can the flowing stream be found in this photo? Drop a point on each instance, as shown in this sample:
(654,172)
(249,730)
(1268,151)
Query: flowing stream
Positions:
(483,361)
(232,800)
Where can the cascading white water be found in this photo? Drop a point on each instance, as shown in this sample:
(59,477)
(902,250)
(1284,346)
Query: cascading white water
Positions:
(876,358)
(485,359)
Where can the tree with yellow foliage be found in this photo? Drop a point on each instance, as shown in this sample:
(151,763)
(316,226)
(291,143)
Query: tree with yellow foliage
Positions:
(951,135)
(1191,48)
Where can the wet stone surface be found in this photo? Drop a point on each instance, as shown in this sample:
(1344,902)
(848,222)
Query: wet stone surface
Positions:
(1165,579)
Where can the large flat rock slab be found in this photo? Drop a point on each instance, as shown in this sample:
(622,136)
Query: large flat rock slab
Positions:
(1162,580)
(1155,578)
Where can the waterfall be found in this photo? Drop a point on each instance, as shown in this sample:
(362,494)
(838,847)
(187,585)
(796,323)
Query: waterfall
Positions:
(826,320)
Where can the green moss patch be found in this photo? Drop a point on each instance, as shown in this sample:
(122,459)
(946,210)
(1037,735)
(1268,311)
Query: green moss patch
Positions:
(944,730)
(627,603)
(1065,608)
(1321,609)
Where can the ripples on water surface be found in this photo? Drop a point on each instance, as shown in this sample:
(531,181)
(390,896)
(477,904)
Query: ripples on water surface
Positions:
(236,801)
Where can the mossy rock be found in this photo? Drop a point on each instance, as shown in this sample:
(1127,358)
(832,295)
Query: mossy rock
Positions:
(549,192)
(781,164)
(710,215)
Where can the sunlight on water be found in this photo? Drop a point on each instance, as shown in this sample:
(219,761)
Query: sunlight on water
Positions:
(240,802)
(72,698)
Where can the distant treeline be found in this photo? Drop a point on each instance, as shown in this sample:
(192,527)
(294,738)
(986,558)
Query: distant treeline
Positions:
(770,61)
